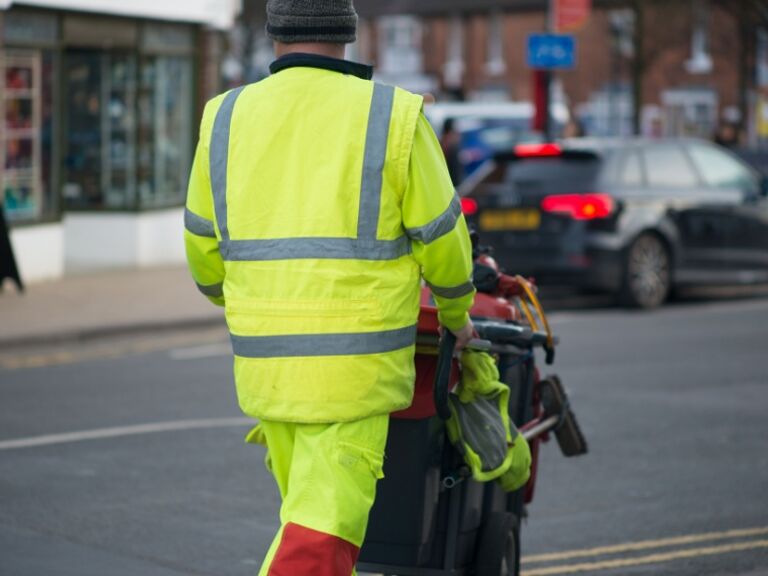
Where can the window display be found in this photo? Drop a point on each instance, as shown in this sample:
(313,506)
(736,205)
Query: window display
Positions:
(21,99)
(165,130)
(100,142)
(129,133)
(123,134)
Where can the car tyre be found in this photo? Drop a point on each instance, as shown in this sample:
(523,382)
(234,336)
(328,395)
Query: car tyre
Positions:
(498,552)
(647,273)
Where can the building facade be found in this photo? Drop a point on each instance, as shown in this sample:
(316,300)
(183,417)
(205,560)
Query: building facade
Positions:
(101,104)
(656,67)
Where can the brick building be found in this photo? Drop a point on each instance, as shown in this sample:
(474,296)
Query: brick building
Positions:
(690,64)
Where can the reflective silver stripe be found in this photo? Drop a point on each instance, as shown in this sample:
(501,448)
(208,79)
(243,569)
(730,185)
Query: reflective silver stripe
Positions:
(198,225)
(439,226)
(321,248)
(219,154)
(364,247)
(213,290)
(373,161)
(454,292)
(323,344)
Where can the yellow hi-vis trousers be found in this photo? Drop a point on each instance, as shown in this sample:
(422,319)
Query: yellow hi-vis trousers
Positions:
(327,476)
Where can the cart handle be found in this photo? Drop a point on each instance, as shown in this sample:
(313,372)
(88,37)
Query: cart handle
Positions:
(443,374)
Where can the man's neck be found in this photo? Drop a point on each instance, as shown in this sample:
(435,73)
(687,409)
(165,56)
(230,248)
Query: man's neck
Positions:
(319,48)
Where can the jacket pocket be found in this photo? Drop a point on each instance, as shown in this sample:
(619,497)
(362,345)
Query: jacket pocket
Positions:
(360,459)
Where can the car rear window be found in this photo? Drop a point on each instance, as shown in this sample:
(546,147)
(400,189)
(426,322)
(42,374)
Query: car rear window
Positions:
(553,175)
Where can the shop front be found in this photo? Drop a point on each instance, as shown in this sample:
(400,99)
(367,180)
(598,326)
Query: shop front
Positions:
(29,65)
(98,133)
(128,139)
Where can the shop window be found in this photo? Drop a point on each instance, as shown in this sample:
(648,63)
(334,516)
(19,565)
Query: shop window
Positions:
(129,133)
(690,112)
(400,45)
(100,141)
(609,111)
(26,138)
(165,130)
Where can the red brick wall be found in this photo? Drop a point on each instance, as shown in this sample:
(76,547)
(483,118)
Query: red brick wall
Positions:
(517,27)
(666,43)
(667,46)
(725,42)
(435,44)
(475,49)
(596,63)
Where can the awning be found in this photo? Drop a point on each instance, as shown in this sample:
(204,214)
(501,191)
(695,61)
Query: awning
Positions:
(215,13)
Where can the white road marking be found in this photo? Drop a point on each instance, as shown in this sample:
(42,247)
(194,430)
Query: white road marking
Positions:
(121,431)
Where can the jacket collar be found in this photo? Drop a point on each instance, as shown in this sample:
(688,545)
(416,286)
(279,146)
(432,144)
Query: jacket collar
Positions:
(325,62)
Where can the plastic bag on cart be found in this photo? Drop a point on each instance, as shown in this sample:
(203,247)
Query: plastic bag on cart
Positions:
(480,426)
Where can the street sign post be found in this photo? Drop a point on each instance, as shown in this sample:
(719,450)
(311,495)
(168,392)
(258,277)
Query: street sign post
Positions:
(548,52)
(551,51)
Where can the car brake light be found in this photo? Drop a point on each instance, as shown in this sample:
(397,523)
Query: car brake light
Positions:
(579,206)
(537,150)
(469,206)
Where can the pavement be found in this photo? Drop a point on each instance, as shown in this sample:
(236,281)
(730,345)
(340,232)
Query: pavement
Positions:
(120,302)
(104,303)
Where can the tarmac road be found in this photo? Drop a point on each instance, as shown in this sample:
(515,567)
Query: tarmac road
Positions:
(125,456)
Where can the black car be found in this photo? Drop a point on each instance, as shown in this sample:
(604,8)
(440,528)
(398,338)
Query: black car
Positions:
(633,217)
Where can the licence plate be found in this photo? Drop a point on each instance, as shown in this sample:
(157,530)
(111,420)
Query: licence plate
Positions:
(517,219)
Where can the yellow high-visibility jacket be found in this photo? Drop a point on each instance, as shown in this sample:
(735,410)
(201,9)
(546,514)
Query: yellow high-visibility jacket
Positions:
(316,202)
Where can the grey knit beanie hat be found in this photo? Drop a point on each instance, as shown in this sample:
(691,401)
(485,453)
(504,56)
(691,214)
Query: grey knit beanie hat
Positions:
(293,21)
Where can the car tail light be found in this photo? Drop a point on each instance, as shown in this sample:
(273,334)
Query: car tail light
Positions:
(537,150)
(469,206)
(579,206)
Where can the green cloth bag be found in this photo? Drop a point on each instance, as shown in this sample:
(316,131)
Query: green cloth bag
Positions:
(480,427)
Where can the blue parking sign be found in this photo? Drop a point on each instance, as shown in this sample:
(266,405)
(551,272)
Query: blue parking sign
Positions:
(551,51)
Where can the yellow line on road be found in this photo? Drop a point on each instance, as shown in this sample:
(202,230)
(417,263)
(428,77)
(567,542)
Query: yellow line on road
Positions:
(645,545)
(651,559)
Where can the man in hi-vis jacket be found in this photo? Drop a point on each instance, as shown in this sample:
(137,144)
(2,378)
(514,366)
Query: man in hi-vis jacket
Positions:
(317,202)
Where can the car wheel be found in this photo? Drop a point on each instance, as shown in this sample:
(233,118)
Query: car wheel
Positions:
(647,275)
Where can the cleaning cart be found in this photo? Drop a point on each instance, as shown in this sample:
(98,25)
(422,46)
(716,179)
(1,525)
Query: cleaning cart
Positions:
(430,517)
